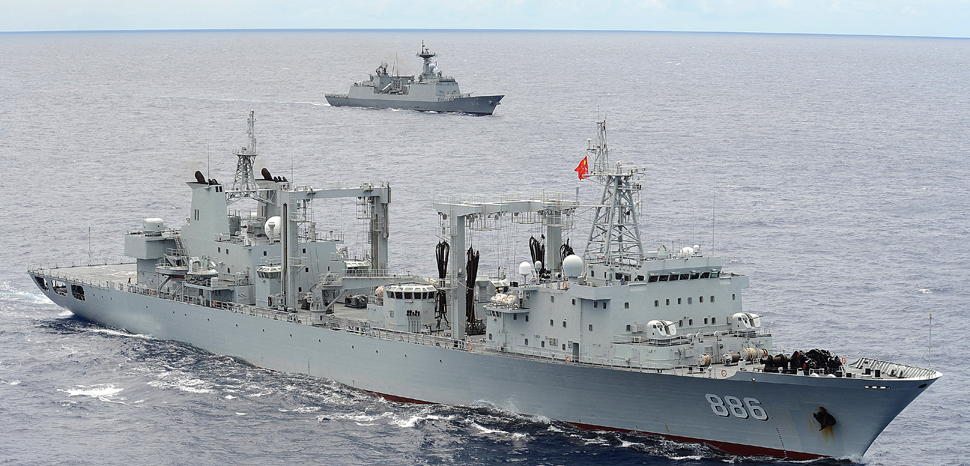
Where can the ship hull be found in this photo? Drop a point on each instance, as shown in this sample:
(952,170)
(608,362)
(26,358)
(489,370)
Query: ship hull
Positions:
(478,105)
(672,406)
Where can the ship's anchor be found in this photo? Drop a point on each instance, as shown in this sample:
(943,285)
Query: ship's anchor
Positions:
(824,418)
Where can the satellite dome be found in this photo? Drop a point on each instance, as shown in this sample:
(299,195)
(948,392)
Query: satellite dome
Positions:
(273,226)
(572,266)
(525,268)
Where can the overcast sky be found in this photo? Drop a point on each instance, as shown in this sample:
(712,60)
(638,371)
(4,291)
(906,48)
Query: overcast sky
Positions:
(935,18)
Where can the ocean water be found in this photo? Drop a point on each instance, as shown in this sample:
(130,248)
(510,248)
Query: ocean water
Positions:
(832,170)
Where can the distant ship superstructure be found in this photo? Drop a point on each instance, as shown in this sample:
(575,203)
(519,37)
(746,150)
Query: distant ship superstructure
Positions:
(430,91)
(614,338)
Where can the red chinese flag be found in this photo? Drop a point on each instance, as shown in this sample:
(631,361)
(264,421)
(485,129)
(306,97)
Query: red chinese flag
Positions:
(583,169)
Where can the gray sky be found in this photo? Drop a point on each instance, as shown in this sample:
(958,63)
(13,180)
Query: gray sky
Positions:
(936,18)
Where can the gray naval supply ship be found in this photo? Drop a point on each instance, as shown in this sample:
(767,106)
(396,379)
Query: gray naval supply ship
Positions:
(430,91)
(619,338)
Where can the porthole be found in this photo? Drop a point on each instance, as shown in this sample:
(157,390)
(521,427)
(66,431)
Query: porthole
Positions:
(656,303)
(489,336)
(668,301)
(679,300)
(590,327)
(628,328)
(733,297)
(574,301)
(713,320)
(596,304)
(564,347)
(552,299)
(712,298)
(542,343)
(526,342)
(700,299)
(690,322)
(564,324)
(551,322)
(626,305)
(264,253)
(705,321)
(690,300)
(515,317)
(527,317)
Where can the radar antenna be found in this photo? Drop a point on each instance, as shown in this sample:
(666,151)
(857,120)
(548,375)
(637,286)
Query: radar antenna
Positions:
(614,238)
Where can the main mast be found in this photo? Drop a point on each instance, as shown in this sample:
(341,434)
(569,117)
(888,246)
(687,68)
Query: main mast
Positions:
(427,71)
(614,239)
(244,185)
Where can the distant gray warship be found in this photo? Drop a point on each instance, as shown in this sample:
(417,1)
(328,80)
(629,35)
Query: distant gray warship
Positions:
(653,342)
(429,92)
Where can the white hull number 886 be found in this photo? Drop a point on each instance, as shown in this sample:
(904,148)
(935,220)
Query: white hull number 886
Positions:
(749,407)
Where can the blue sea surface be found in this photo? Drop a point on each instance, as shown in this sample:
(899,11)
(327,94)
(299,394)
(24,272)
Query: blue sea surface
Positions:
(832,170)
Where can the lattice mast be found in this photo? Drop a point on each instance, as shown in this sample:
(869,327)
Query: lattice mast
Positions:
(614,238)
(244,185)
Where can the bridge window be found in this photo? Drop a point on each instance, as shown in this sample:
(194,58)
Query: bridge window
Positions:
(652,279)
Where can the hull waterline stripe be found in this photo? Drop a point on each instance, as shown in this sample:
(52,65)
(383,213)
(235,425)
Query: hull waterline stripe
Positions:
(733,448)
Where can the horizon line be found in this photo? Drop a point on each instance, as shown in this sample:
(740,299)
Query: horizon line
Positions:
(633,31)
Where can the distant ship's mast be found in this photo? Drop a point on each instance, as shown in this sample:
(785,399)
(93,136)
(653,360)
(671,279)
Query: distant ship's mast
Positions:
(244,185)
(614,238)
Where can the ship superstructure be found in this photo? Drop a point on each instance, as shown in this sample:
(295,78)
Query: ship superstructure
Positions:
(614,337)
(429,91)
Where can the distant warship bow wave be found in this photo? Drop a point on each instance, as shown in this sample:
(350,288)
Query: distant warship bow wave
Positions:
(652,342)
(430,91)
